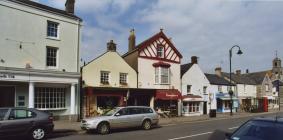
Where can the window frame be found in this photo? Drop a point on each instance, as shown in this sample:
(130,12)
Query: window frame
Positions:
(204,90)
(160,52)
(57,29)
(189,89)
(50,98)
(56,58)
(159,75)
(121,80)
(105,82)
(14,117)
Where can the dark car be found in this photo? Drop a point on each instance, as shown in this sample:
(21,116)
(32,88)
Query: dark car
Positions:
(32,123)
(254,129)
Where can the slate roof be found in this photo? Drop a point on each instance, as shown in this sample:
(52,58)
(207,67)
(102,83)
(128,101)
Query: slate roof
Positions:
(217,80)
(46,8)
(257,77)
(240,79)
(185,68)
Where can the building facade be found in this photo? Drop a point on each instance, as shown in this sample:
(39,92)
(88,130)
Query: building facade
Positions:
(108,82)
(157,63)
(39,53)
(196,97)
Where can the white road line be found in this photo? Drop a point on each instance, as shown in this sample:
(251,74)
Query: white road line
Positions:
(190,136)
(233,127)
(172,124)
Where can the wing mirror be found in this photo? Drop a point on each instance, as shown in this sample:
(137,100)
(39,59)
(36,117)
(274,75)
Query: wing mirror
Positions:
(228,135)
(117,114)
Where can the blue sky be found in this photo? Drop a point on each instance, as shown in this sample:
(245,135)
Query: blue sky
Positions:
(205,28)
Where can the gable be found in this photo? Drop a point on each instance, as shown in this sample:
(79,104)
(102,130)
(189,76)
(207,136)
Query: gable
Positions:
(149,49)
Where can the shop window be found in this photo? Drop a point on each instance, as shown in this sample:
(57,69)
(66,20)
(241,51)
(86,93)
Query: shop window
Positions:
(162,75)
(49,98)
(189,89)
(194,107)
(104,77)
(160,52)
(52,29)
(123,78)
(226,104)
(21,101)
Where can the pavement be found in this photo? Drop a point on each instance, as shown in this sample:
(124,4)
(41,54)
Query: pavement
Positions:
(180,128)
(67,126)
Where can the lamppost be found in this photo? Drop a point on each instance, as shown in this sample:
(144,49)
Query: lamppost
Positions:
(230,76)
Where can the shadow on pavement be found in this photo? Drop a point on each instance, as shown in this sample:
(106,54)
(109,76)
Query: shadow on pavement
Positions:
(123,130)
(62,133)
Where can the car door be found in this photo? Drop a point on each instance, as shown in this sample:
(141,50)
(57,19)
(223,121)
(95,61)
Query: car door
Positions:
(135,116)
(120,119)
(19,122)
(3,116)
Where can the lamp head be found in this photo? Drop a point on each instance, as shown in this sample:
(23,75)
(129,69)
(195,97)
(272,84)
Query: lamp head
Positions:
(239,52)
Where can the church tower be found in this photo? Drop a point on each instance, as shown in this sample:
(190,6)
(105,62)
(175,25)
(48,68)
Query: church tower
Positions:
(277,67)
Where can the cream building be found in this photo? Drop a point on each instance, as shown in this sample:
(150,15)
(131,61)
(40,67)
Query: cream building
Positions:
(39,53)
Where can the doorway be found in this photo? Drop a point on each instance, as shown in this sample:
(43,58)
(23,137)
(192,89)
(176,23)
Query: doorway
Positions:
(7,96)
(204,107)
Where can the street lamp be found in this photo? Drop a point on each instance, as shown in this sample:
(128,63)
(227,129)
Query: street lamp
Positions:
(230,91)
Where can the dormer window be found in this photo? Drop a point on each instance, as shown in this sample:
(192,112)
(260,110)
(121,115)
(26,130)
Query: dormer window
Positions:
(160,52)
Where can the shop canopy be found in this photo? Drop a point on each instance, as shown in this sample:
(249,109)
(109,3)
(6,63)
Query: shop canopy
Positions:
(168,94)
(192,98)
(227,98)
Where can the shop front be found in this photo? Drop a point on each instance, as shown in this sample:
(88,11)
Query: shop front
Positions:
(224,103)
(167,101)
(192,105)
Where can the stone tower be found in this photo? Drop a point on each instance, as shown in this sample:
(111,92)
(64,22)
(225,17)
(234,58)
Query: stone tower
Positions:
(277,68)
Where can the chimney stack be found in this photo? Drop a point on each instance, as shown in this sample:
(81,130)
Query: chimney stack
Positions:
(70,6)
(218,71)
(247,71)
(238,72)
(111,46)
(194,59)
(132,40)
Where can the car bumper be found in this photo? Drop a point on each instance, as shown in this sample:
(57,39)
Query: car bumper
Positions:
(85,126)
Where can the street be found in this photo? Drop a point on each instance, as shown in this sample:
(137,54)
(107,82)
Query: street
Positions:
(199,130)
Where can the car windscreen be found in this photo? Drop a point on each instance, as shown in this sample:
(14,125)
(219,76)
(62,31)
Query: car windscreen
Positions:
(3,112)
(259,130)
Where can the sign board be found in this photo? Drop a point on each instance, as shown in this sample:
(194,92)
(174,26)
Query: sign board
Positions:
(6,76)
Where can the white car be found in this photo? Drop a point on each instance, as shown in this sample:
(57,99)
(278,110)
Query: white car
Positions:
(122,117)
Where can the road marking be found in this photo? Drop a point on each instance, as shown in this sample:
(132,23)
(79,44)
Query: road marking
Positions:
(172,124)
(190,136)
(233,127)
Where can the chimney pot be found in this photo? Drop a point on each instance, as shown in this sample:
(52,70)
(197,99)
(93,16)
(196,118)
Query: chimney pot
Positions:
(132,40)
(238,72)
(247,71)
(70,6)
(194,59)
(218,71)
(111,46)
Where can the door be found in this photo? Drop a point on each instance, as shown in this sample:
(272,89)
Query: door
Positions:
(204,107)
(120,119)
(7,96)
(19,122)
(136,117)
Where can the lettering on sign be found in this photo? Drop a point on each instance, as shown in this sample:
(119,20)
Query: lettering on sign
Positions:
(6,76)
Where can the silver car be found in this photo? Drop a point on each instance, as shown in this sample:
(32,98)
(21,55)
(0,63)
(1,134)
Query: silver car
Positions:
(122,117)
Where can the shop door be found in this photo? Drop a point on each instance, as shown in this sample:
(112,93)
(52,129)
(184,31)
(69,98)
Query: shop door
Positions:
(7,96)
(204,107)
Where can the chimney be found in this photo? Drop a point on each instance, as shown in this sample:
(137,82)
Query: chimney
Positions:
(70,6)
(194,59)
(111,46)
(132,40)
(247,71)
(238,72)
(218,71)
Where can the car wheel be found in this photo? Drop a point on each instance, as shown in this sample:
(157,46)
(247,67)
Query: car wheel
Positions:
(103,128)
(146,125)
(38,133)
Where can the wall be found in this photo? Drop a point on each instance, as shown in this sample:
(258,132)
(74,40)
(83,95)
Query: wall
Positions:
(244,90)
(27,24)
(146,75)
(113,62)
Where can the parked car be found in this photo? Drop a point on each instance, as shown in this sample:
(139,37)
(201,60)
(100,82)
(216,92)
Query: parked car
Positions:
(122,117)
(27,122)
(254,129)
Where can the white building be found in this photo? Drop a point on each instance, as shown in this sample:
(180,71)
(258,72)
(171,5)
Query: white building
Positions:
(39,53)
(197,99)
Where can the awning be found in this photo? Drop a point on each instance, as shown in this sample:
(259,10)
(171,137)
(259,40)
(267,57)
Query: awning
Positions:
(227,98)
(161,64)
(168,94)
(192,98)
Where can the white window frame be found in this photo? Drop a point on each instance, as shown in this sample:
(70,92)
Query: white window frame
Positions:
(158,75)
(220,89)
(43,96)
(194,106)
(204,89)
(125,76)
(189,91)
(267,88)
(160,51)
(57,58)
(107,82)
(58,30)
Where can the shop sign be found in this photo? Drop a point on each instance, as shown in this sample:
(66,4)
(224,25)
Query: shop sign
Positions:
(6,76)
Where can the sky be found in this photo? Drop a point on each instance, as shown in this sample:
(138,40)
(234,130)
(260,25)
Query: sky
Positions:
(203,28)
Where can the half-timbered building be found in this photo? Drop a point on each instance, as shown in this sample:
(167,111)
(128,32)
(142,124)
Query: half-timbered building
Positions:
(157,62)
